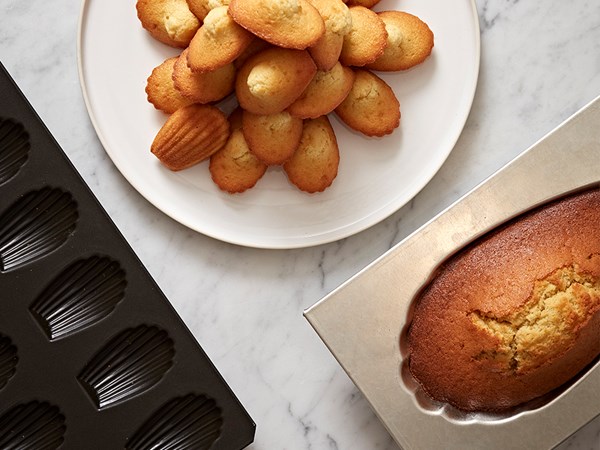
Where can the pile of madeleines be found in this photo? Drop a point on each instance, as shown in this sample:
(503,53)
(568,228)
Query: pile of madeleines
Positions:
(289,63)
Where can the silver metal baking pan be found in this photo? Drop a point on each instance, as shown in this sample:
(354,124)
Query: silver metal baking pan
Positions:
(362,321)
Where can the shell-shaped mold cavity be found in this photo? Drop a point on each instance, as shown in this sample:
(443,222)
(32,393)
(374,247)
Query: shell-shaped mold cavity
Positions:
(32,426)
(8,360)
(34,226)
(80,296)
(14,148)
(190,422)
(131,363)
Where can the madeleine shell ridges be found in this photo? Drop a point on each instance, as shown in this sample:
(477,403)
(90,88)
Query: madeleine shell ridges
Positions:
(83,294)
(8,360)
(32,426)
(14,148)
(191,422)
(131,363)
(35,225)
(190,135)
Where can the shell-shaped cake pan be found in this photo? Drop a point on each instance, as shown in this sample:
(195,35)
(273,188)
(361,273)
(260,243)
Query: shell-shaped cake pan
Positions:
(82,295)
(32,426)
(35,225)
(14,148)
(92,354)
(131,363)
(190,422)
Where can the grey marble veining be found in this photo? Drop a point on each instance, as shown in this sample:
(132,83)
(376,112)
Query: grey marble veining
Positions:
(540,62)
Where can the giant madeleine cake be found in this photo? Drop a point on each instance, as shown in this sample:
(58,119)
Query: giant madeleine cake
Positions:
(516,313)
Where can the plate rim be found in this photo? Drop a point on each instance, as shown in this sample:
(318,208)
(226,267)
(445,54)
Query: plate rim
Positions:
(329,236)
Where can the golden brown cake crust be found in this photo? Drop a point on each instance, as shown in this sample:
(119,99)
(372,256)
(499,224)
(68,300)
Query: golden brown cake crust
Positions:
(273,139)
(324,93)
(218,42)
(169,21)
(409,42)
(161,91)
(314,165)
(366,40)
(285,23)
(201,8)
(234,168)
(190,135)
(203,87)
(273,79)
(371,107)
(515,314)
(338,22)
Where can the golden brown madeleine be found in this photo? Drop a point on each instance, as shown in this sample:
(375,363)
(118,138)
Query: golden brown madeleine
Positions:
(410,42)
(338,22)
(324,93)
(273,79)
(273,138)
(285,23)
(169,21)
(190,135)
(161,91)
(201,8)
(371,107)
(235,168)
(203,87)
(366,40)
(218,42)
(314,165)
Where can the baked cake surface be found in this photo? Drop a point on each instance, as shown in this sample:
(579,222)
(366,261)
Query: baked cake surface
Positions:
(514,315)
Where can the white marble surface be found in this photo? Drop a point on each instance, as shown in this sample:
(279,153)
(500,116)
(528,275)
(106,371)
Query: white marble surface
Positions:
(540,62)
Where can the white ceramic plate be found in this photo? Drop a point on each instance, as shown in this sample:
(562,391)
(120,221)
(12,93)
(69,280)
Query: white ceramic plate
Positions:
(376,176)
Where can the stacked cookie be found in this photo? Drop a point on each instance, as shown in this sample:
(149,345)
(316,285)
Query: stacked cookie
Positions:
(289,63)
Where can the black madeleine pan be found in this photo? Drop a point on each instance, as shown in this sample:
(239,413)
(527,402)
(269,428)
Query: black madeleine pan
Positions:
(92,354)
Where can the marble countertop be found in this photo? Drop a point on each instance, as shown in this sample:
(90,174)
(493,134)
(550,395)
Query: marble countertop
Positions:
(540,63)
